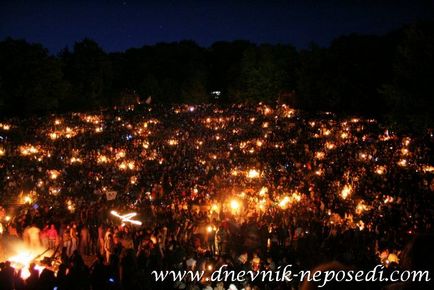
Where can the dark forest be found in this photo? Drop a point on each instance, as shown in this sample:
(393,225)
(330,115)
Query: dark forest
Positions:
(389,77)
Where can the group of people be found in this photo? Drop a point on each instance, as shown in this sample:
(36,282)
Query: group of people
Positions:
(250,186)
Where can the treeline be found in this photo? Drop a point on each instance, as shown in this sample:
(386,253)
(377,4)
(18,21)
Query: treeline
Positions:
(388,75)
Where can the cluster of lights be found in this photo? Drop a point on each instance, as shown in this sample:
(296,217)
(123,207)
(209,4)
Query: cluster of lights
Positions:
(5,127)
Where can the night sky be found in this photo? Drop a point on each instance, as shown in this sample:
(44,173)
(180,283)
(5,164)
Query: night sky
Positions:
(118,25)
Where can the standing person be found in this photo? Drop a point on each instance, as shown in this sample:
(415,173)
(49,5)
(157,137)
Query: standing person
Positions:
(109,246)
(84,240)
(74,238)
(52,237)
(44,237)
(67,241)
(34,237)
(7,274)
(101,239)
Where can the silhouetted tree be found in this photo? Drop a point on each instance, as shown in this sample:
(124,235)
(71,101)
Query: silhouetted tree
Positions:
(410,93)
(88,69)
(30,79)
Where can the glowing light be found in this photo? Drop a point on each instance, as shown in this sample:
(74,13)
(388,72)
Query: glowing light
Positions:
(131,165)
(267,111)
(54,190)
(253,173)
(5,127)
(127,165)
(388,199)
(296,197)
(319,172)
(27,199)
(28,150)
(22,262)
(402,162)
(126,217)
(173,142)
(75,160)
(380,170)
(70,206)
(214,207)
(98,129)
(2,152)
(94,119)
(346,191)
(319,155)
(326,132)
(284,202)
(363,156)
(263,191)
(361,207)
(102,159)
(361,225)
(235,206)
(330,145)
(425,168)
(53,136)
(120,154)
(54,174)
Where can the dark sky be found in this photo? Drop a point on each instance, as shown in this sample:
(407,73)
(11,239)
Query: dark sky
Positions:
(118,25)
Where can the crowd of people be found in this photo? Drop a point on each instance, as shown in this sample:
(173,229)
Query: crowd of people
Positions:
(196,187)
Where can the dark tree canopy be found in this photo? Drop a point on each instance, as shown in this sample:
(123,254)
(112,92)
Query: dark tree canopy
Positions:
(385,76)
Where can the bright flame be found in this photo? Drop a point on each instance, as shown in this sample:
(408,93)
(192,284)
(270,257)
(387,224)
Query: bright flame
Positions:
(330,145)
(380,170)
(70,206)
(263,191)
(284,202)
(235,206)
(121,154)
(428,168)
(28,150)
(209,229)
(346,191)
(402,162)
(253,173)
(54,174)
(361,207)
(54,136)
(173,142)
(319,155)
(102,159)
(27,199)
(214,207)
(23,259)
(76,160)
